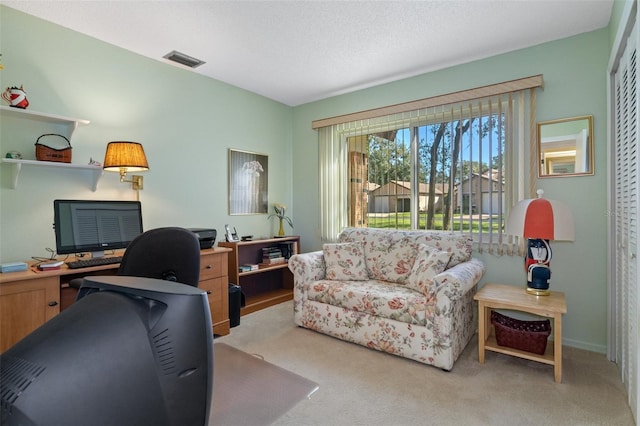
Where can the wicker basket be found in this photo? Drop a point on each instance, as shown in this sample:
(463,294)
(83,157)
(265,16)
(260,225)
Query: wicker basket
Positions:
(529,336)
(53,147)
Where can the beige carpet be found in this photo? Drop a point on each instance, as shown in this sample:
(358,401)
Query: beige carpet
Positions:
(248,390)
(360,386)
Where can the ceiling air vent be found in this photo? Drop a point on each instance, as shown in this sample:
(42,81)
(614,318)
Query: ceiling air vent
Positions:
(183,59)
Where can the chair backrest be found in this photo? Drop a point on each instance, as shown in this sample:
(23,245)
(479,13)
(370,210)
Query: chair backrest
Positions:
(170,253)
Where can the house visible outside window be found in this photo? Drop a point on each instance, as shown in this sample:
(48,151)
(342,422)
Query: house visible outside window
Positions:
(459,176)
(455,166)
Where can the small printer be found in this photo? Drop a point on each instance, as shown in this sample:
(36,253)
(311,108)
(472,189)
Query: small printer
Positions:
(206,236)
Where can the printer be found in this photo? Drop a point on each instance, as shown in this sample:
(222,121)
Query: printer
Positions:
(206,236)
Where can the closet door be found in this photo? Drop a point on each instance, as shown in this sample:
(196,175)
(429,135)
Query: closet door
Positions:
(625,181)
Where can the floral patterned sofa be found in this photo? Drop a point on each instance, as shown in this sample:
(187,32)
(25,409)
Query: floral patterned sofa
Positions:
(408,293)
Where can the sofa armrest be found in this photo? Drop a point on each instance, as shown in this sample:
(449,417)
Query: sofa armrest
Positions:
(306,268)
(460,279)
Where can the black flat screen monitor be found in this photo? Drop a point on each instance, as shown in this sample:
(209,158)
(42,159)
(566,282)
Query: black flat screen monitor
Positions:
(129,351)
(95,225)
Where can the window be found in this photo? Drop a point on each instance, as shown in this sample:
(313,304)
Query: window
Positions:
(456,165)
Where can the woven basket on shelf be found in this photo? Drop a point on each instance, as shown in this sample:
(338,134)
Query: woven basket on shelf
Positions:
(53,147)
(529,336)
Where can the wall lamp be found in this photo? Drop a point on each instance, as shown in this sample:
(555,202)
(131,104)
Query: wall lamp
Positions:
(124,157)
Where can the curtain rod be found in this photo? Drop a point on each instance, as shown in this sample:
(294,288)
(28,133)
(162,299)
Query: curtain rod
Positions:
(461,96)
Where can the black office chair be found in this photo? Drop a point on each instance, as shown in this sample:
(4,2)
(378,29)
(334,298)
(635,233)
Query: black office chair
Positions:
(170,253)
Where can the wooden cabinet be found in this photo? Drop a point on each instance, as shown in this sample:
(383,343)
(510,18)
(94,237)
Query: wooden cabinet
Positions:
(269,284)
(25,306)
(30,298)
(214,280)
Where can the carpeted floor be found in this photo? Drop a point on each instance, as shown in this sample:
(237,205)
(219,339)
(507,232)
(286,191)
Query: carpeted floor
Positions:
(360,386)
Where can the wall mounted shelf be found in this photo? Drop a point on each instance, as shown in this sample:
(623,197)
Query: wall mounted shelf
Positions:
(71,123)
(96,171)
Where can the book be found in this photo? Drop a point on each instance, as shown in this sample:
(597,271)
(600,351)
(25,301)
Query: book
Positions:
(248,267)
(274,261)
(272,255)
(50,266)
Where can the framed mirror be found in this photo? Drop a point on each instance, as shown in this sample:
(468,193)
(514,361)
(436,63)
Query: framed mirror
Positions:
(565,147)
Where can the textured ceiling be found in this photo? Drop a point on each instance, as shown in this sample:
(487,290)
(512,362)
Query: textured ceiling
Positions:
(300,51)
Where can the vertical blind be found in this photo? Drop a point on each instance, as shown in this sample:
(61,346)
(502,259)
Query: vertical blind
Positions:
(471,180)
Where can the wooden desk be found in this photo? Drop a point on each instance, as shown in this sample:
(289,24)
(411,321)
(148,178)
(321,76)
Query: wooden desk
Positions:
(30,298)
(500,296)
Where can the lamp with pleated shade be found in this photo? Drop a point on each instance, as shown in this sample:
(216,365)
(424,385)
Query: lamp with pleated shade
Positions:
(540,220)
(124,157)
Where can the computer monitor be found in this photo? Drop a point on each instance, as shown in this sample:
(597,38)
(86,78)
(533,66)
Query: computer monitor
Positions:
(129,351)
(95,225)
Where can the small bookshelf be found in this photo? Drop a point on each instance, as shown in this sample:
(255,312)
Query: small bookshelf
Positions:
(260,268)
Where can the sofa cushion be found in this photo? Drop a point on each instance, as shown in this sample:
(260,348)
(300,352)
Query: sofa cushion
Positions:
(429,263)
(390,259)
(459,245)
(345,261)
(378,298)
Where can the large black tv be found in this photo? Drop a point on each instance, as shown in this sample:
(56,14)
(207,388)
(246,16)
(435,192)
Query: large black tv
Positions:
(129,351)
(95,225)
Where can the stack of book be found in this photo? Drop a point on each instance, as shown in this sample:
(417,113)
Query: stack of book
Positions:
(272,256)
(248,267)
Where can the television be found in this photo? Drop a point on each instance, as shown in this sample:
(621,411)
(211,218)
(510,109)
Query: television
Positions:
(95,225)
(129,351)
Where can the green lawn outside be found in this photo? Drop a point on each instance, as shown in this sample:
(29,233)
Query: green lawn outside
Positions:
(403,221)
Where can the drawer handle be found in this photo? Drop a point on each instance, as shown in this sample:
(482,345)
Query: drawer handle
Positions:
(208,267)
(53,303)
(208,291)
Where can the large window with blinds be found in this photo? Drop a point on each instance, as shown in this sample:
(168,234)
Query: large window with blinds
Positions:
(454,165)
(449,170)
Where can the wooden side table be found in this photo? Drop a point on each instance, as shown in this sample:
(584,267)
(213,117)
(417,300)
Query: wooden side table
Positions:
(500,296)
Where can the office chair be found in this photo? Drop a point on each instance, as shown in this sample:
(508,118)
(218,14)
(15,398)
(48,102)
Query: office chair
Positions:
(169,253)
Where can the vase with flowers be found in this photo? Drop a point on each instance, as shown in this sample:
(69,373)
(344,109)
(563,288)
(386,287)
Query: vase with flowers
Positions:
(280,210)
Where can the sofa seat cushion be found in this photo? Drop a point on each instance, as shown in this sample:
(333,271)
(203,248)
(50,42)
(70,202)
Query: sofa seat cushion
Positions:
(378,298)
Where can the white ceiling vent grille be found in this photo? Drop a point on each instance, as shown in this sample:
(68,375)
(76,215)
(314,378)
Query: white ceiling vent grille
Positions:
(183,59)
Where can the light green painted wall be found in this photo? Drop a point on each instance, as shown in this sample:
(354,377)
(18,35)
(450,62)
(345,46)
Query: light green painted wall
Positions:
(185,121)
(574,71)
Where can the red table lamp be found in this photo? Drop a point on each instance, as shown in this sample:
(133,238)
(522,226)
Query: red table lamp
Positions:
(540,221)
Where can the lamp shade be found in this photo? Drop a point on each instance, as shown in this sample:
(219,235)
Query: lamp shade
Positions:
(540,218)
(125,155)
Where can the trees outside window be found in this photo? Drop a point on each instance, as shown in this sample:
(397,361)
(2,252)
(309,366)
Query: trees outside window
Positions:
(444,169)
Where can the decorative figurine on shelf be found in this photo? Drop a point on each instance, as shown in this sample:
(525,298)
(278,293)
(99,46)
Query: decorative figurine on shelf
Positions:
(280,210)
(16,97)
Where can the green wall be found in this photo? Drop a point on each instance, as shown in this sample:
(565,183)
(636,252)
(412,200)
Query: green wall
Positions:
(574,71)
(186,123)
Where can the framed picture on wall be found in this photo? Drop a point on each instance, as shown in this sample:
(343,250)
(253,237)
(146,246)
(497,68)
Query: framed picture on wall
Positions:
(248,182)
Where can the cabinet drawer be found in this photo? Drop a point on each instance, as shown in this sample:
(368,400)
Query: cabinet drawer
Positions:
(25,306)
(218,294)
(212,266)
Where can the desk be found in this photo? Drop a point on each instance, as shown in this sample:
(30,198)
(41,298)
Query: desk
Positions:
(30,298)
(500,296)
